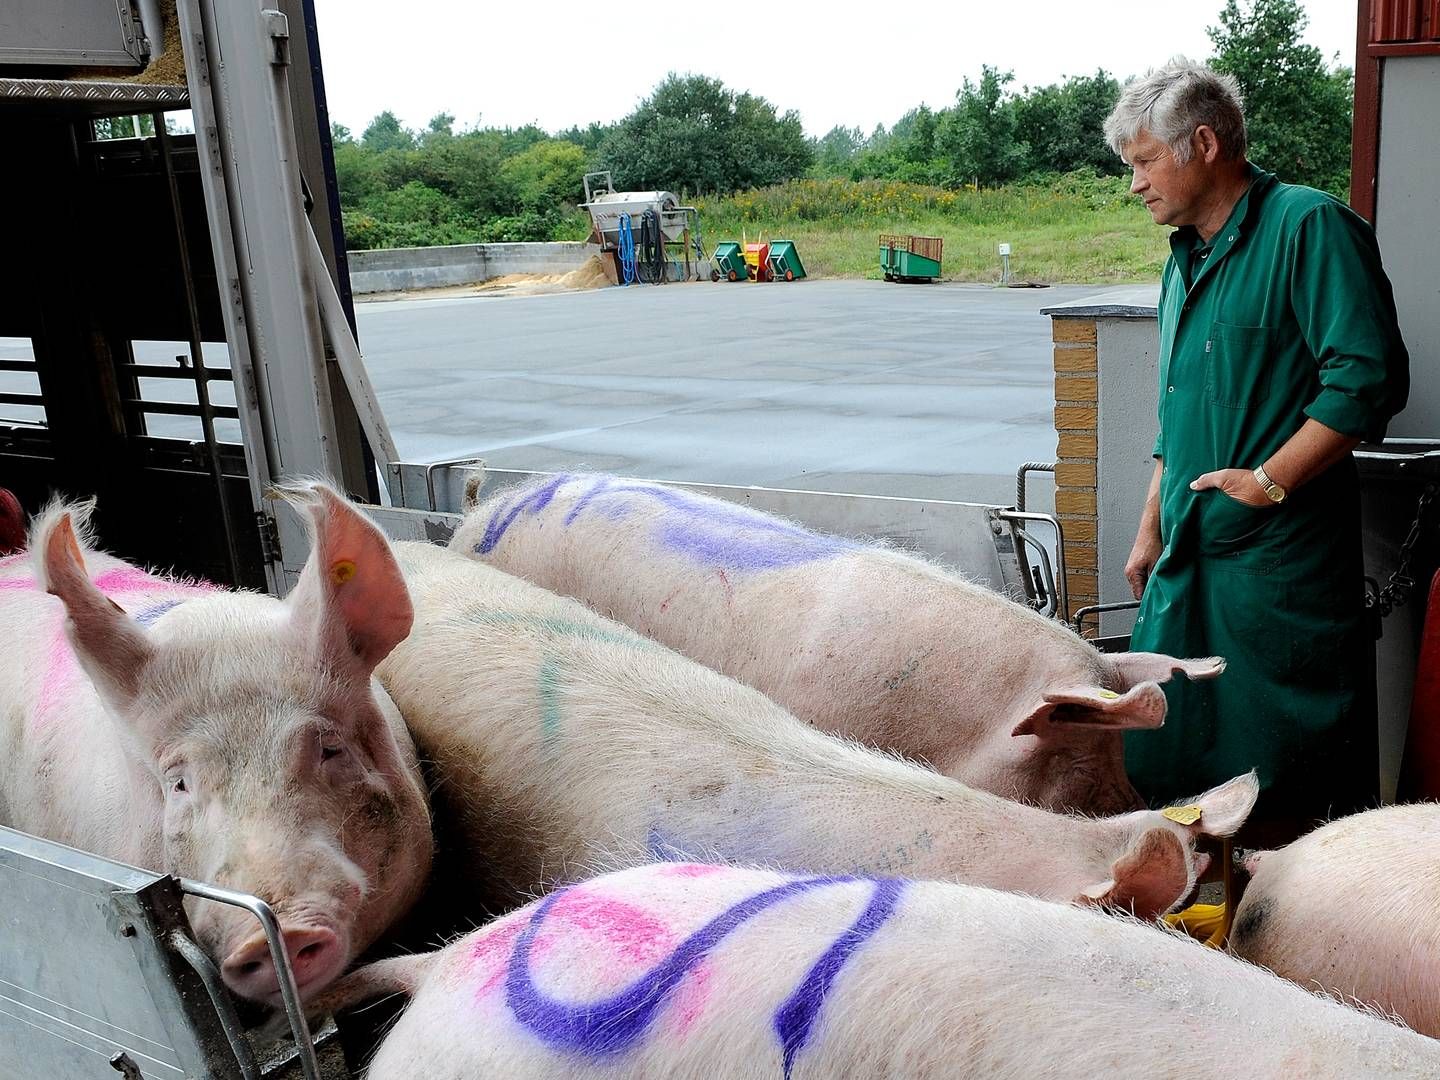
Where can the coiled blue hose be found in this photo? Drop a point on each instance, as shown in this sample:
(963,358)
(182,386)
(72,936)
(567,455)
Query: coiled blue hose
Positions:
(627,250)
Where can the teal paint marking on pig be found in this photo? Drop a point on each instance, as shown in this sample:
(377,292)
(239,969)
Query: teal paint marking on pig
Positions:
(550,626)
(551,672)
(549,690)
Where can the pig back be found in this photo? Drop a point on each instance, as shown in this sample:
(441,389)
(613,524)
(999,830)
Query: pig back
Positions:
(688,970)
(1354,908)
(556,737)
(856,639)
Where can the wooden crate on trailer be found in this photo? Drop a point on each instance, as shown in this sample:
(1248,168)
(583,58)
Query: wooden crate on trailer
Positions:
(910,258)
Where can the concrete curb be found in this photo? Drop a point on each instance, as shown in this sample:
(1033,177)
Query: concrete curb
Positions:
(398,269)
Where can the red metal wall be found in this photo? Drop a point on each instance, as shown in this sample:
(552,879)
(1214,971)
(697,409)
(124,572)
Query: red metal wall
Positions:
(1384,29)
(1404,20)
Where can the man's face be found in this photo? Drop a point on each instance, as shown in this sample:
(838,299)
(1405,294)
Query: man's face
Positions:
(1172,192)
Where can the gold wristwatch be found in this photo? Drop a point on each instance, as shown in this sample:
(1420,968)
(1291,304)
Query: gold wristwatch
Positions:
(1273,491)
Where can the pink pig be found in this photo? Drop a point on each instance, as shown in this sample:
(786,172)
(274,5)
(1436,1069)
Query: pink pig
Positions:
(560,740)
(857,639)
(690,973)
(1354,908)
(224,736)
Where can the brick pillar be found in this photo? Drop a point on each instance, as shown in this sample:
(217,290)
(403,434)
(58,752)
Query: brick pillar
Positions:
(1076,422)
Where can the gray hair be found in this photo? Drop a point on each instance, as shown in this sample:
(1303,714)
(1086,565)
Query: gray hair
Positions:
(1172,101)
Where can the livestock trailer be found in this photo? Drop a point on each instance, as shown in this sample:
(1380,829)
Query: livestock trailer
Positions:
(178,336)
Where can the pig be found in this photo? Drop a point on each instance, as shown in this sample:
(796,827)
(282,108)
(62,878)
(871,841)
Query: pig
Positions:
(1354,908)
(700,971)
(224,736)
(857,639)
(559,737)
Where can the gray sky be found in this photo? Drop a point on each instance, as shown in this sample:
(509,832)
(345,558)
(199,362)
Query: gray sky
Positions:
(507,64)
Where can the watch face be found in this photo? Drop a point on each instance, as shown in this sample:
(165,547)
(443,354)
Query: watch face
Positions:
(1275,492)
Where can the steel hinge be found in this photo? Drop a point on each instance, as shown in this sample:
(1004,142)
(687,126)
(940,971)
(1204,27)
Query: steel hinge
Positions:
(277,27)
(269,537)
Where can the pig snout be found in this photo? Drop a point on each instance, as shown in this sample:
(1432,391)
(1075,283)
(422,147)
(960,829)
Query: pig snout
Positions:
(316,954)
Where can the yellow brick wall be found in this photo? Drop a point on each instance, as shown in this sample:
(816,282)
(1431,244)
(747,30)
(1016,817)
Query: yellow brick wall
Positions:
(1076,421)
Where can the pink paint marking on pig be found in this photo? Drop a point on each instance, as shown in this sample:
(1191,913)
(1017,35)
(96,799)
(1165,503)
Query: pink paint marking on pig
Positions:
(63,677)
(691,997)
(631,933)
(485,966)
(689,869)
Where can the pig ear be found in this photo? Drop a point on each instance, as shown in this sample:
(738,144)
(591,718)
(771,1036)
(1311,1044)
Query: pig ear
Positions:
(1141,667)
(1224,809)
(351,600)
(1096,707)
(1147,879)
(111,647)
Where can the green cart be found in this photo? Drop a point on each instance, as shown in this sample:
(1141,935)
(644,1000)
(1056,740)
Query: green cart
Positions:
(785,264)
(910,258)
(730,262)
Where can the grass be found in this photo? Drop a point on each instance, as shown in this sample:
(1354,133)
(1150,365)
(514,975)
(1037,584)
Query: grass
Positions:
(1078,228)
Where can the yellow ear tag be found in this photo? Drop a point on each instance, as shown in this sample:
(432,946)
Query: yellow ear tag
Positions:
(1109,695)
(342,571)
(1183,815)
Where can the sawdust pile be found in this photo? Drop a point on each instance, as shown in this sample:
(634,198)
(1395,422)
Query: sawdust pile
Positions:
(168,69)
(589,276)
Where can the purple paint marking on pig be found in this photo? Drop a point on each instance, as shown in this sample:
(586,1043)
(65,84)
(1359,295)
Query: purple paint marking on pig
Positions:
(615,1024)
(721,536)
(796,1018)
(600,487)
(532,501)
(148,615)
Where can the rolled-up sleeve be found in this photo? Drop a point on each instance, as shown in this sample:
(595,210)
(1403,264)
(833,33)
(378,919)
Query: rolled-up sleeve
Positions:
(1346,311)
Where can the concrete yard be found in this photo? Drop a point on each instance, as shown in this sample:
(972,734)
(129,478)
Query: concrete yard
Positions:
(927,391)
(931,391)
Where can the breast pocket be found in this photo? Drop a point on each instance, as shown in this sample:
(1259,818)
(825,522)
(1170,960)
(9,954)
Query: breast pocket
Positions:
(1237,365)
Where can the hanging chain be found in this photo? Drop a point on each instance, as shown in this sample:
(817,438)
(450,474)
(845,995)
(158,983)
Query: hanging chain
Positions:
(1397,590)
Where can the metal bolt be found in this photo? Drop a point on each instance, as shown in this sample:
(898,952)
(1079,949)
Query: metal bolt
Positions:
(128,930)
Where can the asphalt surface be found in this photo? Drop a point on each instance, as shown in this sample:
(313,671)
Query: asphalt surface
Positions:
(934,391)
(928,391)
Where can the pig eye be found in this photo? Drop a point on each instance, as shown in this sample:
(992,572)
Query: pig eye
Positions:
(177,785)
(328,752)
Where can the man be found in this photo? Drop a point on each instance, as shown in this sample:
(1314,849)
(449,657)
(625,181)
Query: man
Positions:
(1279,352)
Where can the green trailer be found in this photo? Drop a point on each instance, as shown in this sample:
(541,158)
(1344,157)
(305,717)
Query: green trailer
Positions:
(730,262)
(910,258)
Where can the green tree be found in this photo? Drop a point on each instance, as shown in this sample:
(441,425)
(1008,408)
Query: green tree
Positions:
(1062,125)
(1297,110)
(441,126)
(976,138)
(386,133)
(544,177)
(692,133)
(836,149)
(465,168)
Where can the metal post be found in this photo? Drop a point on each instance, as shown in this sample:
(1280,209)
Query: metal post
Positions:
(237,56)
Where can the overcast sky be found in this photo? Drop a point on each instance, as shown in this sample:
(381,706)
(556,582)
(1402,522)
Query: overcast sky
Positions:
(561,63)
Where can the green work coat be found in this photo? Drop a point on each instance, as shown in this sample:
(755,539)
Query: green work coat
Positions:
(1286,314)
